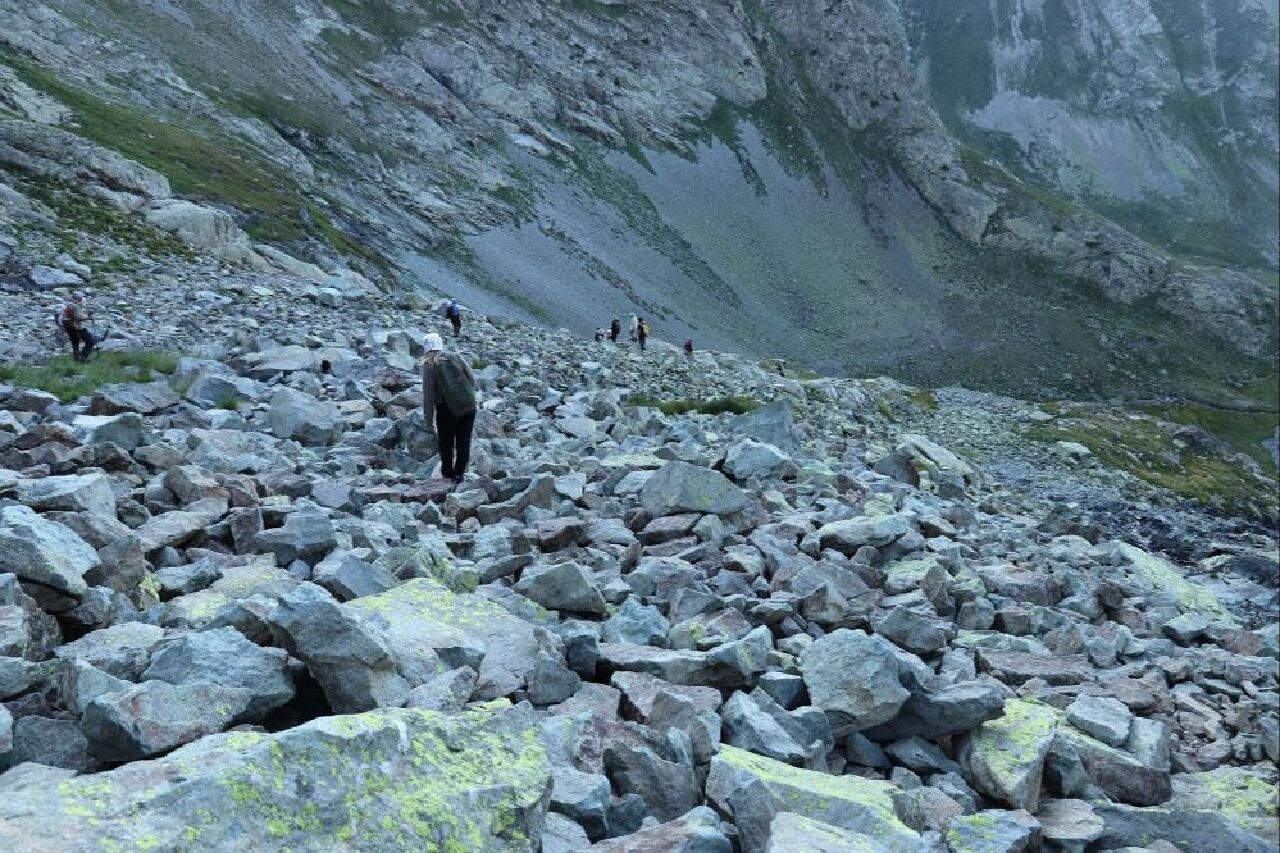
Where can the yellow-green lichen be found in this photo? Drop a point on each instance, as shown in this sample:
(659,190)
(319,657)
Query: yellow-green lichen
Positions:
(1160,575)
(1240,795)
(866,805)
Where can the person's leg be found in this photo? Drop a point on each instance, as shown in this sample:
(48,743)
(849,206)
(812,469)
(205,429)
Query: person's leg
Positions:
(73,335)
(457,326)
(465,425)
(446,433)
(87,344)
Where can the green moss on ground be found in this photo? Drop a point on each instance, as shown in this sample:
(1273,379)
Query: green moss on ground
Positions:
(1146,448)
(737,405)
(70,380)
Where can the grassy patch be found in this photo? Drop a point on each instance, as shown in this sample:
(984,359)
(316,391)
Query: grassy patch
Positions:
(924,398)
(227,401)
(78,212)
(736,405)
(1244,431)
(70,380)
(1146,448)
(200,161)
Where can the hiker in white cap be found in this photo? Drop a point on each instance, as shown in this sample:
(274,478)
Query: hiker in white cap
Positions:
(448,405)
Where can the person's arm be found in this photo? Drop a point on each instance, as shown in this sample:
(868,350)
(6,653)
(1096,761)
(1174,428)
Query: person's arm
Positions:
(428,396)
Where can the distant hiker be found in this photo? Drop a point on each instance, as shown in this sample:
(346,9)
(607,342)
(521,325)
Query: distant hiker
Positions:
(615,329)
(633,326)
(449,403)
(600,334)
(782,368)
(688,347)
(642,333)
(453,313)
(74,318)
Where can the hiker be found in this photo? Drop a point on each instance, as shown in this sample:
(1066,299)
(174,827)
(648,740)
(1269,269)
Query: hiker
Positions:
(448,402)
(633,326)
(642,333)
(453,313)
(74,318)
(688,347)
(615,329)
(600,334)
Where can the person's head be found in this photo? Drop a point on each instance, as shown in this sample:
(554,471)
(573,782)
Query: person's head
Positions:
(433,343)
(77,297)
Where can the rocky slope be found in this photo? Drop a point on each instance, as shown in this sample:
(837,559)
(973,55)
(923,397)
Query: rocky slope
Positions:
(237,612)
(863,187)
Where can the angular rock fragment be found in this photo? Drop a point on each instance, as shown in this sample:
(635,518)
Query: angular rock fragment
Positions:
(849,802)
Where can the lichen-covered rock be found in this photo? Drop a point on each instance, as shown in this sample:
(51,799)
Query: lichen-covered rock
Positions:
(563,586)
(155,717)
(89,493)
(1004,757)
(389,779)
(43,552)
(848,535)
(681,487)
(122,650)
(226,658)
(303,418)
(993,831)
(854,678)
(793,833)
(1227,810)
(698,831)
(424,620)
(860,805)
(347,651)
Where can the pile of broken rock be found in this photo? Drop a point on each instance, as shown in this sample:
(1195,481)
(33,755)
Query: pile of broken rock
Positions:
(236,612)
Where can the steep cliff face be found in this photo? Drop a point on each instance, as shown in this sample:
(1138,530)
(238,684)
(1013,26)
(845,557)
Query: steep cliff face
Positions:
(1158,114)
(1055,197)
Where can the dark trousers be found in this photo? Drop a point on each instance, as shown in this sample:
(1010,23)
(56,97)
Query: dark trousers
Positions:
(81,341)
(456,322)
(454,434)
(643,340)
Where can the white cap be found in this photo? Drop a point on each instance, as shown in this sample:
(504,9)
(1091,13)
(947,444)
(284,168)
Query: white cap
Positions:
(78,296)
(433,343)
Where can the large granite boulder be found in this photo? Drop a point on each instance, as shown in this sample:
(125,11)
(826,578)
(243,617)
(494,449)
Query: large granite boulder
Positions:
(392,779)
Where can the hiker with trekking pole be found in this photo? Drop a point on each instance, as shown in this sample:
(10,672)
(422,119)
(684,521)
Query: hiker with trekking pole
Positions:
(74,318)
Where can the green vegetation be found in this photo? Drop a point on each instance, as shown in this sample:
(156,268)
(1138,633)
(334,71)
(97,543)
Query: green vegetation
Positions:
(715,406)
(1145,447)
(230,402)
(597,8)
(200,160)
(70,380)
(78,212)
(924,398)
(1243,431)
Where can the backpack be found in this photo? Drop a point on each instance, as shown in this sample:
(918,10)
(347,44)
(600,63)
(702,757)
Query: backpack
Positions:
(454,385)
(63,315)
(452,312)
